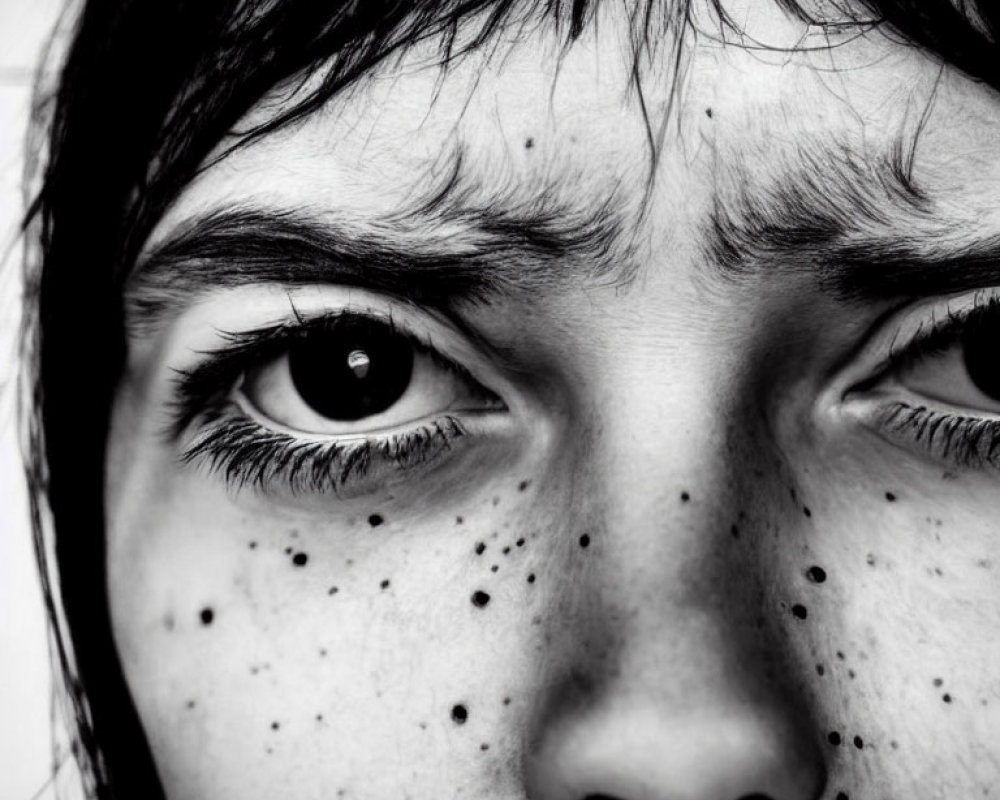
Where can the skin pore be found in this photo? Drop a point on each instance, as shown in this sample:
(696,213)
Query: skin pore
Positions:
(675,554)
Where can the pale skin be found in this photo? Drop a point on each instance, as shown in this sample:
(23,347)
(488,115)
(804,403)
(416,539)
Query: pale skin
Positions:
(699,432)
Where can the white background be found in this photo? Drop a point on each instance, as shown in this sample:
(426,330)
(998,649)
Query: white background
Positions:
(26,760)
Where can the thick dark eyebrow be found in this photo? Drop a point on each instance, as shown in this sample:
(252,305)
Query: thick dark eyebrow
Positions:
(854,224)
(480,256)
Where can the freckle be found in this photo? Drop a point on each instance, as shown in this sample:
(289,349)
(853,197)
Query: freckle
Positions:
(890,497)
(275,726)
(319,717)
(207,615)
(806,511)
(523,485)
(708,113)
(252,545)
(484,747)
(858,742)
(585,541)
(459,714)
(937,571)
(520,542)
(851,674)
(375,520)
(480,599)
(332,590)
(506,701)
(734,532)
(820,670)
(870,560)
(480,548)
(168,622)
(816,574)
(189,704)
(529,143)
(494,568)
(506,550)
(300,559)
(496,501)
(834,738)
(799,611)
(938,682)
(531,578)
(840,655)
(385,584)
(946,698)
(288,551)
(894,744)
(459,520)
(322,652)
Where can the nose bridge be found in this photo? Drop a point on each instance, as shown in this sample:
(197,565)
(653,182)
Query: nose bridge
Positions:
(669,681)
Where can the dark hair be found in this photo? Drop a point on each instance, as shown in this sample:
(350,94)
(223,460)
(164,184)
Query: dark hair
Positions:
(147,90)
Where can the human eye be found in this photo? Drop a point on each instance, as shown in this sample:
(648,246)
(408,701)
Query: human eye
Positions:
(334,402)
(935,389)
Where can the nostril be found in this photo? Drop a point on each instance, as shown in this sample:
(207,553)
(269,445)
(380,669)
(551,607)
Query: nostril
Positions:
(755,797)
(599,797)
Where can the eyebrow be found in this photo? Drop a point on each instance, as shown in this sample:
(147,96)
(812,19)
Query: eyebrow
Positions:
(855,224)
(439,256)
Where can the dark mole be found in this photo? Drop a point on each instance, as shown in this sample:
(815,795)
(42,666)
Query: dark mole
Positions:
(799,611)
(890,497)
(806,511)
(252,545)
(820,670)
(459,520)
(523,485)
(480,548)
(459,714)
(494,568)
(685,497)
(480,599)
(506,550)
(816,574)
(708,113)
(842,796)
(375,520)
(207,615)
(529,143)
(385,584)
(833,738)
(506,701)
(332,590)
(484,747)
(946,698)
(734,531)
(275,726)
(585,541)
(859,742)
(300,559)
(519,542)
(531,578)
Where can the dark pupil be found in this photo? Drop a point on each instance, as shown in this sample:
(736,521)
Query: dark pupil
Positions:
(356,368)
(981,348)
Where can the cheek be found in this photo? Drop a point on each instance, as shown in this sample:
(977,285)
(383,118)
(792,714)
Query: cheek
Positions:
(248,640)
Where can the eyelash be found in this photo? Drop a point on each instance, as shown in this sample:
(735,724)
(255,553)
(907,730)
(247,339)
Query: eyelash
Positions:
(247,454)
(966,442)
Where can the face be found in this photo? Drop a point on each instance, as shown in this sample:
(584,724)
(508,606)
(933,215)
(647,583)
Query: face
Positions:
(465,449)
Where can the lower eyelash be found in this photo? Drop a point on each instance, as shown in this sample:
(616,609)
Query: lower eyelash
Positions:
(966,442)
(247,454)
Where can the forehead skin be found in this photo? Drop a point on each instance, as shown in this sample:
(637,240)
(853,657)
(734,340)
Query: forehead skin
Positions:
(687,424)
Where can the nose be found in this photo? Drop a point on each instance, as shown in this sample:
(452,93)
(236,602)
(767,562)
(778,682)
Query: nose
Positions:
(663,681)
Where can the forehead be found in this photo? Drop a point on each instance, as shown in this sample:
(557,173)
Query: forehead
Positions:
(534,122)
